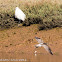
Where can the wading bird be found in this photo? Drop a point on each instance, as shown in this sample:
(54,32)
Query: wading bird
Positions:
(41,43)
(19,15)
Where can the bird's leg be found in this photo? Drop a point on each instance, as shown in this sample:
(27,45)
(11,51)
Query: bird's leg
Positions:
(19,22)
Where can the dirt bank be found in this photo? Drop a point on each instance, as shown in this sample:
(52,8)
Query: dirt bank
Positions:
(22,39)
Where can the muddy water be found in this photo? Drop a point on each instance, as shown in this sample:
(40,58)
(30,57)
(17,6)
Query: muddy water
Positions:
(28,57)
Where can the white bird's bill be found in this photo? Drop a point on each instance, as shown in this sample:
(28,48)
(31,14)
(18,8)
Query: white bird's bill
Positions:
(19,14)
(39,40)
(35,53)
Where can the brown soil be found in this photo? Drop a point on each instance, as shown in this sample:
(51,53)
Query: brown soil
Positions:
(22,39)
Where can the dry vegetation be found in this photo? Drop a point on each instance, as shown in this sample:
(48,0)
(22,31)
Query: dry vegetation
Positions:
(46,13)
(9,5)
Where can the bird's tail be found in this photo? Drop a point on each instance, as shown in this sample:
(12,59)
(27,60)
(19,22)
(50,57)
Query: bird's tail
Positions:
(50,51)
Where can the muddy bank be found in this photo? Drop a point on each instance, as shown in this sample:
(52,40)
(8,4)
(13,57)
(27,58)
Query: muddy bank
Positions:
(22,40)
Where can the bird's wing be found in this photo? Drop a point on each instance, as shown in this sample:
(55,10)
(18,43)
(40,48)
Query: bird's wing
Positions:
(48,49)
(39,40)
(38,45)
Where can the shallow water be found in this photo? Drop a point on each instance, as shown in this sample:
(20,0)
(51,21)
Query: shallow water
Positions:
(28,57)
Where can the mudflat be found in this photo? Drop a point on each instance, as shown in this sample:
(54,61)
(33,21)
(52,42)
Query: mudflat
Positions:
(22,39)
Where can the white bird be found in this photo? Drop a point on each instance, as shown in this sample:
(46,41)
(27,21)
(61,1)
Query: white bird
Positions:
(19,15)
(41,43)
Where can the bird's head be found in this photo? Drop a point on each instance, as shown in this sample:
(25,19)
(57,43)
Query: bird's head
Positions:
(16,8)
(37,38)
